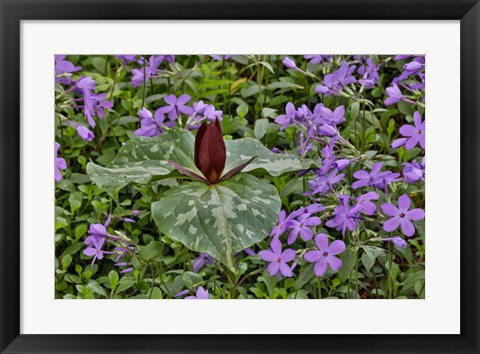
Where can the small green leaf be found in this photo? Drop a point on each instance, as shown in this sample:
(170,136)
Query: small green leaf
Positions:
(124,284)
(96,288)
(151,250)
(348,263)
(113,278)
(260,128)
(72,249)
(190,279)
(306,274)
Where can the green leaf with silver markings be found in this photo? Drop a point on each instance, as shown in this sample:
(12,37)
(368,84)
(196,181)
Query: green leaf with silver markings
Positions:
(143,160)
(219,219)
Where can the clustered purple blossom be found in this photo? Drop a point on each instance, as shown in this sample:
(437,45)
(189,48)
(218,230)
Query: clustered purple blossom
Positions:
(150,68)
(413,134)
(93,104)
(402,216)
(154,124)
(60,163)
(334,82)
(98,237)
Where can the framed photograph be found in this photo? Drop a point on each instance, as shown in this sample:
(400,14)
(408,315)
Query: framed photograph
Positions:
(239,177)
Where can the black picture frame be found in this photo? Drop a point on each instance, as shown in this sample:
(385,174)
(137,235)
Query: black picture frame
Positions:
(14,11)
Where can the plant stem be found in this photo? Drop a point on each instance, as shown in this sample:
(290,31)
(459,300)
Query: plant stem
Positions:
(144,80)
(363,129)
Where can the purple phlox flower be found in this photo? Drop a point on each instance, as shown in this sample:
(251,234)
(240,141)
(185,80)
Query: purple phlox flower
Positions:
(328,158)
(101,103)
(325,255)
(211,114)
(176,105)
(384,179)
(201,294)
(323,184)
(129,220)
(278,260)
(368,179)
(199,107)
(308,210)
(401,216)
(123,250)
(281,227)
(304,114)
(326,115)
(305,144)
(365,204)
(369,73)
(168,58)
(250,252)
(152,126)
(85,83)
(219,57)
(276,150)
(401,57)
(341,77)
(60,164)
(182,293)
(95,249)
(64,67)
(334,82)
(396,240)
(411,68)
(286,119)
(289,63)
(413,135)
(302,226)
(126,58)
(98,232)
(95,104)
(394,95)
(414,172)
(345,217)
(136,212)
(150,70)
(82,131)
(85,133)
(315,58)
(201,260)
(127,270)
(419,85)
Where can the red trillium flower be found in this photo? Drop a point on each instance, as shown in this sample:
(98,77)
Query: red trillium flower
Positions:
(210,155)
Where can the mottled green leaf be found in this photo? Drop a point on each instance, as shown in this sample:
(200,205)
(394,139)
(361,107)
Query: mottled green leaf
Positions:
(142,160)
(220,219)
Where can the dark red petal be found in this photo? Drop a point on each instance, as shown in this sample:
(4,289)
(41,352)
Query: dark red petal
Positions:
(198,139)
(186,171)
(218,126)
(212,153)
(236,170)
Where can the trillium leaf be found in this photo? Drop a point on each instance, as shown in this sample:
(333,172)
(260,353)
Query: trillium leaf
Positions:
(219,219)
(142,160)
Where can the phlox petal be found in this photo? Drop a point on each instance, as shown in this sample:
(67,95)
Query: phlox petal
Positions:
(407,227)
(273,268)
(336,247)
(320,267)
(334,262)
(391,224)
(415,214)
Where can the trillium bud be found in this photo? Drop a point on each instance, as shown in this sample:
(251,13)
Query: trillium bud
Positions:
(210,155)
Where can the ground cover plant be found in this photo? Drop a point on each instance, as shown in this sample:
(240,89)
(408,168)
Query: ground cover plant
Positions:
(239,176)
